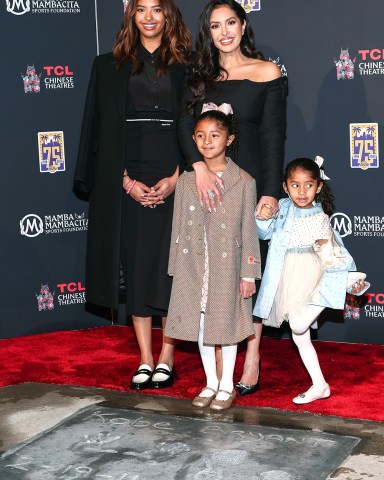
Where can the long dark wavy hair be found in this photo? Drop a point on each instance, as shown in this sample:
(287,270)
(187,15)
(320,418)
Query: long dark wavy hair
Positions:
(207,68)
(227,123)
(325,196)
(176,42)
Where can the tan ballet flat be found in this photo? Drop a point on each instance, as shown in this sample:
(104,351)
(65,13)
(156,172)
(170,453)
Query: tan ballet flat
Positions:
(203,402)
(223,404)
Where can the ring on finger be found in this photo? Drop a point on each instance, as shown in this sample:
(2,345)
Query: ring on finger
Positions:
(211,193)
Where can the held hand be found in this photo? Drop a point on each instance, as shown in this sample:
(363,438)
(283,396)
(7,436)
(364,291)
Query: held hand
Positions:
(267,208)
(208,185)
(247,289)
(265,212)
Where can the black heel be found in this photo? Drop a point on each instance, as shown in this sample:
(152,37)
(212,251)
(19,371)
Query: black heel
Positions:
(246,389)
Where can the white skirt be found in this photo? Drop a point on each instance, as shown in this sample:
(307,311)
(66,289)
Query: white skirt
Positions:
(299,285)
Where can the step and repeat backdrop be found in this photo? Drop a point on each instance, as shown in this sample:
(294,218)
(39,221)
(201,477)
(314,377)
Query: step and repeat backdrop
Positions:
(333,55)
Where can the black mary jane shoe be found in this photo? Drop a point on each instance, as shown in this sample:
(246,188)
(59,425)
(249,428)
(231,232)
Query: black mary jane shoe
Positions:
(167,382)
(142,370)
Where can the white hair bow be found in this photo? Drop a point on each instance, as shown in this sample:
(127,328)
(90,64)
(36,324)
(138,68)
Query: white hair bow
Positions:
(320,160)
(225,108)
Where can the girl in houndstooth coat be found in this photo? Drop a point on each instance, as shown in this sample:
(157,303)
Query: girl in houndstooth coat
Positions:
(214,260)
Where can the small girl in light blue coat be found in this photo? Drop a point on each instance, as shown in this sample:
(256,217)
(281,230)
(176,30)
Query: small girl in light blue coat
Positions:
(308,268)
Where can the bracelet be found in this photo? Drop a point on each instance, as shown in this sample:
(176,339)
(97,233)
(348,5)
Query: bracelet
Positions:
(129,181)
(131,185)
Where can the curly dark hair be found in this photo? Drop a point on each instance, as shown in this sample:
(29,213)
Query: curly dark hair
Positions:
(176,42)
(325,196)
(207,68)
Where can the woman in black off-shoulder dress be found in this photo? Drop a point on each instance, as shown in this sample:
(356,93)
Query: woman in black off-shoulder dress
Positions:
(229,69)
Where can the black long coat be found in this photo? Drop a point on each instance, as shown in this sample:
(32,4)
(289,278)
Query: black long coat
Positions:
(100,167)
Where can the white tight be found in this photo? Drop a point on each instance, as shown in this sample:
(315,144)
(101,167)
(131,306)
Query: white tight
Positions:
(301,323)
(301,335)
(208,357)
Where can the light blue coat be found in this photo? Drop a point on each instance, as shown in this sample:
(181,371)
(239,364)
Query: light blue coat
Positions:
(334,282)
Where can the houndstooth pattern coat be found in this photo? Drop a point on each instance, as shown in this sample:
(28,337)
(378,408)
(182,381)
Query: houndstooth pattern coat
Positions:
(233,252)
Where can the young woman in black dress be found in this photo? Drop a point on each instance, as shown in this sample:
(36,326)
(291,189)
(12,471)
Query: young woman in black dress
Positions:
(229,69)
(129,163)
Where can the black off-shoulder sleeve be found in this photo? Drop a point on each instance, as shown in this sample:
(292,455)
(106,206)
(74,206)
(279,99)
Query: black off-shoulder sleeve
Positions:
(272,137)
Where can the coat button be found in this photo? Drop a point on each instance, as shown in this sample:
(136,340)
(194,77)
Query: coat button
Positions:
(281,216)
(185,250)
(192,208)
(223,225)
(190,222)
(223,210)
(188,237)
(225,255)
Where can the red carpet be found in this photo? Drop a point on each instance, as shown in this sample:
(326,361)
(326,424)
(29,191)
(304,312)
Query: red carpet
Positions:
(106,358)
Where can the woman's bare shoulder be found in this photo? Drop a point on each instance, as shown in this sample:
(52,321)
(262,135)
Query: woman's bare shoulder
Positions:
(263,71)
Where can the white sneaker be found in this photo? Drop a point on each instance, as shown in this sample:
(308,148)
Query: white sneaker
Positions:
(313,394)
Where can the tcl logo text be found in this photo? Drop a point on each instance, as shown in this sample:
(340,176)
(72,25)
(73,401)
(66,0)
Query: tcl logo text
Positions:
(58,70)
(375,297)
(71,287)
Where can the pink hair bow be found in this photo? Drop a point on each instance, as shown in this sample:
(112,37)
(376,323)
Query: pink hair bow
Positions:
(224,108)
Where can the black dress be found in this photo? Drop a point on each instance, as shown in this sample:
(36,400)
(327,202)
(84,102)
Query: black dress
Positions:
(260,110)
(150,156)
